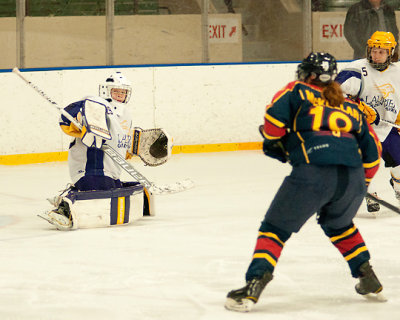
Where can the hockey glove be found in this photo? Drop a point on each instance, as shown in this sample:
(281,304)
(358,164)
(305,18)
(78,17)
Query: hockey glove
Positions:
(95,128)
(275,149)
(153,146)
(91,140)
(370,113)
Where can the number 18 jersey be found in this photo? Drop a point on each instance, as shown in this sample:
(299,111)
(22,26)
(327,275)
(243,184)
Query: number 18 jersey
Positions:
(315,132)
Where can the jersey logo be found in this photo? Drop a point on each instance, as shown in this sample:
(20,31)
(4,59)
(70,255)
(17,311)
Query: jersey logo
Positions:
(124,141)
(385,90)
(124,125)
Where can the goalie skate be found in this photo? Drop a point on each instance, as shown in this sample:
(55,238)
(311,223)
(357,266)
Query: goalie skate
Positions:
(61,217)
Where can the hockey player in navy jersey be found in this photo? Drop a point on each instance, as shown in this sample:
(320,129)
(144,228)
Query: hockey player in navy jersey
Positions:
(376,81)
(98,197)
(334,154)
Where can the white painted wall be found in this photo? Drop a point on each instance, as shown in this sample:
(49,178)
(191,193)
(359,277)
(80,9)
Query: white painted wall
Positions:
(195,104)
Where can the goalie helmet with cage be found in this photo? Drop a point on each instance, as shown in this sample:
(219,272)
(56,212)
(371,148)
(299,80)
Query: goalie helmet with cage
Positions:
(322,66)
(116,81)
(383,40)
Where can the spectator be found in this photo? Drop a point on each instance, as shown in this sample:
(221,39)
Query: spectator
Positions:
(363,19)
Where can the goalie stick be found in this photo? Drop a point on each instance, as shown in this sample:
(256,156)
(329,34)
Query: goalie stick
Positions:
(114,155)
(390,123)
(383,202)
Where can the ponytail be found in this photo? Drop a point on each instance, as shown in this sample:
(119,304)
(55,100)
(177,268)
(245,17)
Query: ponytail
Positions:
(333,93)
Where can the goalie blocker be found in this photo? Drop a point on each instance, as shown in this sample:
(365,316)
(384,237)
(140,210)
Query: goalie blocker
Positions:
(100,208)
(153,146)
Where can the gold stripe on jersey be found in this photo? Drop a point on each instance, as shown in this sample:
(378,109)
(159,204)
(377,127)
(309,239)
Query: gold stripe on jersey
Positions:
(372,164)
(302,95)
(274,121)
(295,120)
(305,153)
(267,136)
(299,136)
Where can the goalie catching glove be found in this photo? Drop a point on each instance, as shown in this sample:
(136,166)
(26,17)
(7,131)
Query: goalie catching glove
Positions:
(94,124)
(153,146)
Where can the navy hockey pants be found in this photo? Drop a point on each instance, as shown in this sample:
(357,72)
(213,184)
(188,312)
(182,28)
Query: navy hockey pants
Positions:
(333,192)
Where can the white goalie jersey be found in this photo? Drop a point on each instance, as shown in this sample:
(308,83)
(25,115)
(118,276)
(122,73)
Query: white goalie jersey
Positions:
(379,89)
(92,161)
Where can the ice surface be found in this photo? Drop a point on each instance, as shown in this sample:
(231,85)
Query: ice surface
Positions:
(181,263)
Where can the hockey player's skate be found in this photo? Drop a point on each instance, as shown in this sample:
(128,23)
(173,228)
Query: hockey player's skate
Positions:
(369,285)
(243,299)
(372,206)
(61,217)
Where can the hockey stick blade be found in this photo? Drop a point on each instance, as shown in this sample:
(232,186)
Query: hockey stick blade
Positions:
(172,188)
(383,203)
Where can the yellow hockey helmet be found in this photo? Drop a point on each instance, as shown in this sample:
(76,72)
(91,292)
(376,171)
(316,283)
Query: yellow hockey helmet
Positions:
(384,40)
(381,39)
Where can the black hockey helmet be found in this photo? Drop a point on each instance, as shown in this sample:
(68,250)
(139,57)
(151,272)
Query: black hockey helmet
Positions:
(322,65)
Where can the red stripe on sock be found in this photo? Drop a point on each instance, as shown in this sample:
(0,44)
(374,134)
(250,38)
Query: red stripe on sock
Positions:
(349,243)
(270,245)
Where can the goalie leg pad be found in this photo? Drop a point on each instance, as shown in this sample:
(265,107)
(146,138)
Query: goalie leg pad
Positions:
(104,208)
(100,208)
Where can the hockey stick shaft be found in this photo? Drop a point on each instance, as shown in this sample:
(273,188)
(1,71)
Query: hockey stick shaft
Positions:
(390,123)
(383,203)
(114,155)
(48,99)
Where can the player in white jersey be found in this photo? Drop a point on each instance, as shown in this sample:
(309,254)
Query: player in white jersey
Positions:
(376,81)
(95,176)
